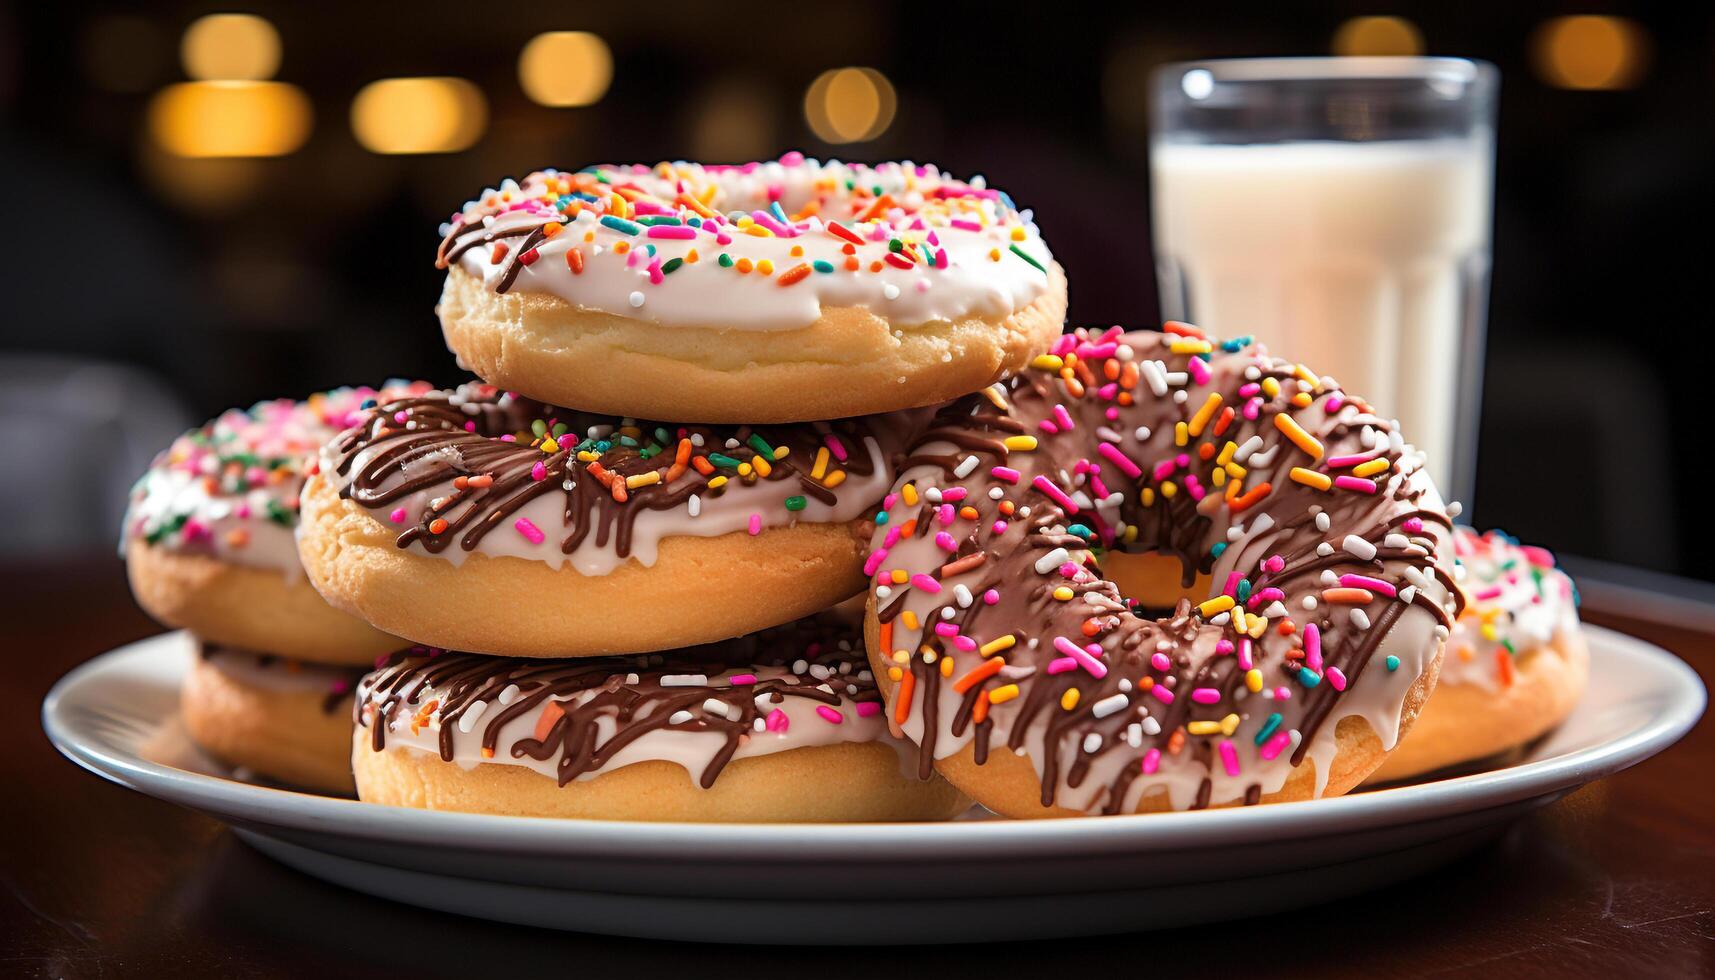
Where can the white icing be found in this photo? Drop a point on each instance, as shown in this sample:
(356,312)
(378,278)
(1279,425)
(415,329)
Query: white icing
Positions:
(1516,597)
(982,277)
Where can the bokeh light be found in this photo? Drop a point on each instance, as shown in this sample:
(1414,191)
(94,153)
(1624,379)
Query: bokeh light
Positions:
(230,119)
(733,119)
(1590,52)
(565,68)
(1378,36)
(418,115)
(230,47)
(850,105)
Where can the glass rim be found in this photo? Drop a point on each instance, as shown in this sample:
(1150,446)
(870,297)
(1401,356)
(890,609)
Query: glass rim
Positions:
(1336,68)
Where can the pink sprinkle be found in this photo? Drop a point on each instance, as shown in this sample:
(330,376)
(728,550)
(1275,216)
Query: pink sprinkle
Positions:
(1229,758)
(401,417)
(777,721)
(539,472)
(925,583)
(1048,427)
(1540,557)
(671,231)
(873,562)
(945,515)
(835,446)
(1313,647)
(991,597)
(1151,762)
(1006,473)
(1206,695)
(1054,493)
(1273,564)
(1199,370)
(1059,665)
(1095,668)
(1160,662)
(964,643)
(965,225)
(944,628)
(1063,417)
(1368,582)
(1260,596)
(656,276)
(1413,525)
(1283,694)
(755,525)
(1162,694)
(1341,462)
(1333,404)
(1097,485)
(1275,746)
(1252,408)
(1223,646)
(1492,592)
(829,715)
(891,538)
(954,495)
(1357,483)
(1125,463)
(1232,589)
(868,709)
(1336,678)
(945,541)
(1250,389)
(1069,569)
(742,680)
(1000,527)
(1163,469)
(1244,653)
(531,532)
(398,515)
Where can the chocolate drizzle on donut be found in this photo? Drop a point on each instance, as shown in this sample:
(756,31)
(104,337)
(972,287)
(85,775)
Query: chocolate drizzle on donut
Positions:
(988,585)
(495,452)
(588,710)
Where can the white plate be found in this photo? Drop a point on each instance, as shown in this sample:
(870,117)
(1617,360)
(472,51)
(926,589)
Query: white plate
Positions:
(966,881)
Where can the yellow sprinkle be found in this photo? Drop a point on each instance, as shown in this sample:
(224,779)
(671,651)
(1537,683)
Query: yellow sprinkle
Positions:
(1216,606)
(1310,478)
(1068,701)
(909,618)
(781,452)
(1236,471)
(1270,387)
(643,480)
(1003,694)
(1259,625)
(1226,455)
(834,479)
(1204,414)
(1253,680)
(1239,618)
(761,465)
(1168,489)
(993,393)
(1063,593)
(908,493)
(1308,376)
(1301,400)
(1018,233)
(902,656)
(1130,535)
(1203,727)
(946,666)
(820,468)
(550,446)
(997,644)
(1021,443)
(1295,432)
(765,266)
(1047,362)
(900,576)
(1229,724)
(1488,631)
(759,231)
(717,483)
(1371,468)
(895,675)
(1181,433)
(1190,347)
(1218,477)
(994,255)
(1147,497)
(745,469)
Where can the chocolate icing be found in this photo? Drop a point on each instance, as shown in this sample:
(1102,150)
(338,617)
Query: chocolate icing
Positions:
(602,704)
(1115,705)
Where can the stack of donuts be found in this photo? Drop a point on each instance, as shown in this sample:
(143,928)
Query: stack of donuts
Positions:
(784,496)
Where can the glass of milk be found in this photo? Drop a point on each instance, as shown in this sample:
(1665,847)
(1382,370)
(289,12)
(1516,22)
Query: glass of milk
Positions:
(1338,209)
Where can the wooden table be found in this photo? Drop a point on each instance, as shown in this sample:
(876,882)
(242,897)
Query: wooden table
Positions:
(1617,880)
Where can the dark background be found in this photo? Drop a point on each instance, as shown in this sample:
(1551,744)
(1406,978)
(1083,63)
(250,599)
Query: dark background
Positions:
(161,290)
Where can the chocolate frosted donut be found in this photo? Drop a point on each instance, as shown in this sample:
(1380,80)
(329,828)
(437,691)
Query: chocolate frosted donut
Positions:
(1310,567)
(781,725)
(1516,663)
(768,292)
(284,719)
(480,520)
(207,537)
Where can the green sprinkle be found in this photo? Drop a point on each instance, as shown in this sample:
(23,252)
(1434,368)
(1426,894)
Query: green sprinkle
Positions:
(822,265)
(630,228)
(1244,589)
(895,245)
(795,503)
(1392,664)
(1268,728)
(659,219)
(1308,677)
(1509,645)
(628,441)
(725,261)
(1021,253)
(648,451)
(720,459)
(538,428)
(279,514)
(881,517)
(760,445)
(662,436)
(670,266)
(1215,552)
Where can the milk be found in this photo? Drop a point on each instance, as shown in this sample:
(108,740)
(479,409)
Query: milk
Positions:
(1367,261)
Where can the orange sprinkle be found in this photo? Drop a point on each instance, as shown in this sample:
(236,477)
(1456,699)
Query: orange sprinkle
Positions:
(880,204)
(437,526)
(1182,329)
(908,528)
(1250,497)
(1206,451)
(551,713)
(852,263)
(886,637)
(1176,741)
(702,465)
(1505,663)
(902,700)
(1225,420)
(978,674)
(794,274)
(1357,597)
(575,260)
(980,710)
(1295,432)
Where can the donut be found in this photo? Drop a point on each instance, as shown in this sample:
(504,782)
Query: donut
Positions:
(1292,568)
(482,521)
(1516,662)
(208,532)
(776,726)
(768,292)
(287,720)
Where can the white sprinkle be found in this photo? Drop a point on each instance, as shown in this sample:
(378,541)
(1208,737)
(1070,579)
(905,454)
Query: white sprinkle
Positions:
(1251,445)
(1109,705)
(1262,523)
(820,672)
(679,717)
(1052,560)
(1308,602)
(1408,594)
(1274,610)
(759,726)
(965,467)
(1259,460)
(468,719)
(508,694)
(684,680)
(1329,579)
(1092,743)
(1324,549)
(883,591)
(962,595)
(1125,352)
(1323,523)
(890,290)
(1151,726)
(695,505)
(1358,546)
(1134,735)
(800,665)
(763,702)
(1108,435)
(1156,376)
(947,612)
(1396,540)
(715,706)
(1455,508)
(1359,618)
(995,493)
(636,299)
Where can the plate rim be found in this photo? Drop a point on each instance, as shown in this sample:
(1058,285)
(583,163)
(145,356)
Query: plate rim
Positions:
(284,809)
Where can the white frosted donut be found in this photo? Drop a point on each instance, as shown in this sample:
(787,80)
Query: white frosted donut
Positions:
(1306,571)
(208,535)
(1516,663)
(287,720)
(782,725)
(768,292)
(482,521)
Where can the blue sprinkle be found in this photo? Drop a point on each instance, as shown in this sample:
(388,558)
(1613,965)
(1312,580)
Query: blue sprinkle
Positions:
(881,517)
(1392,664)
(1308,677)
(779,213)
(1219,547)
(1244,589)
(1268,728)
(1081,531)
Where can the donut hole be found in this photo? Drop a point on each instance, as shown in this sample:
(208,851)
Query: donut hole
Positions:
(1153,579)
